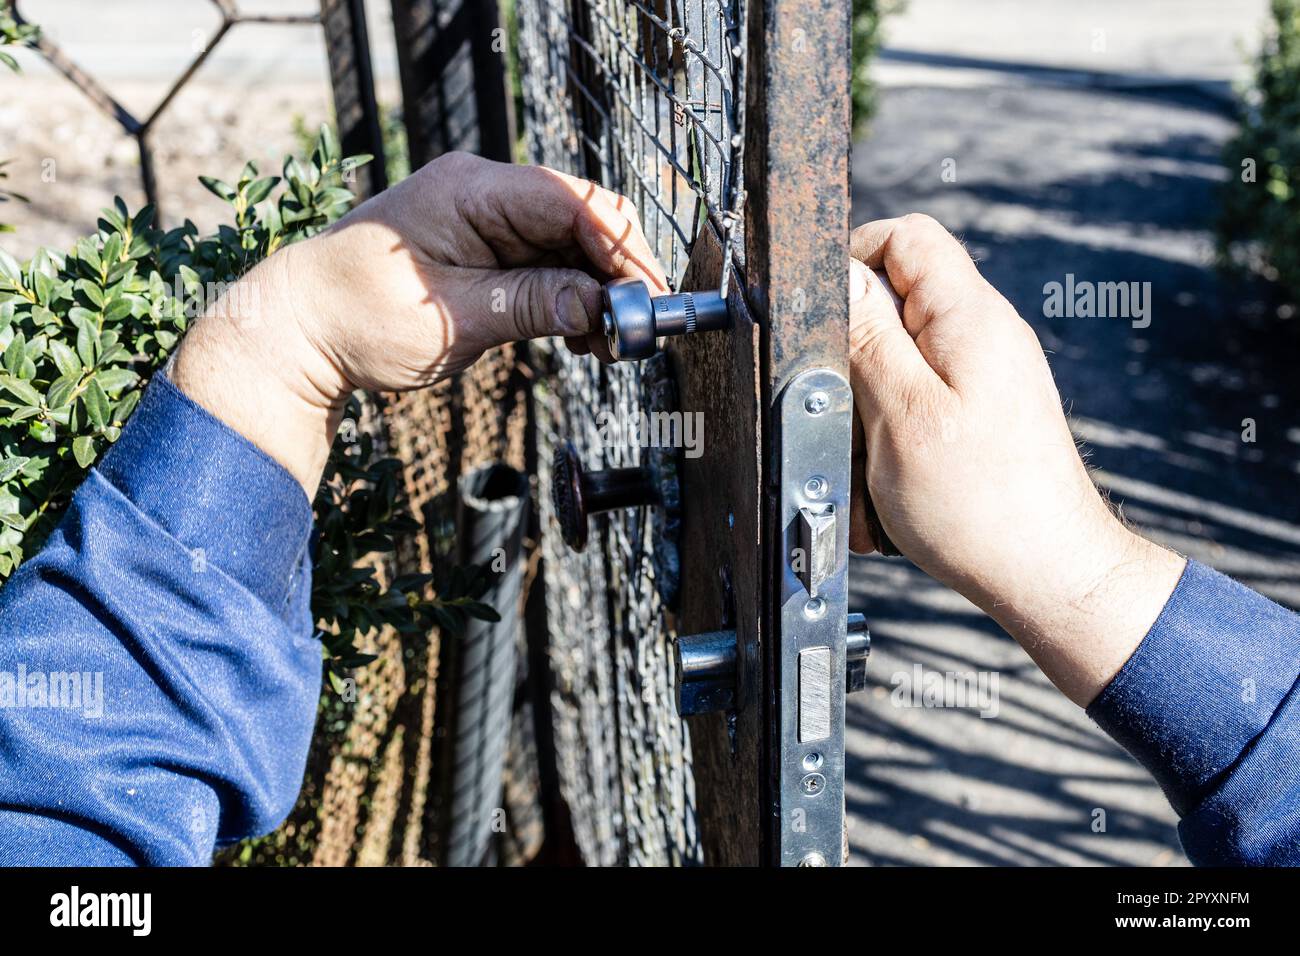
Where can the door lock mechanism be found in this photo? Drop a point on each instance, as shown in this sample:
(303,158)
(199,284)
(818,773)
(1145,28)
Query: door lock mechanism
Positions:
(634,319)
(706,670)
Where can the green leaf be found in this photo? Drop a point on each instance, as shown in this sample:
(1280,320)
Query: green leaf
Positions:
(15,353)
(83,449)
(20,390)
(92,292)
(87,343)
(123,409)
(10,271)
(65,360)
(260,189)
(481,611)
(218,188)
(328,142)
(96,402)
(42,432)
(11,466)
(63,390)
(113,380)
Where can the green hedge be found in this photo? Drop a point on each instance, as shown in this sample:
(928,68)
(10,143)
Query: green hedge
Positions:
(1260,228)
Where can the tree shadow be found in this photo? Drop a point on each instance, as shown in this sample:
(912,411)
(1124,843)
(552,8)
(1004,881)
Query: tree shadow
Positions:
(1192,424)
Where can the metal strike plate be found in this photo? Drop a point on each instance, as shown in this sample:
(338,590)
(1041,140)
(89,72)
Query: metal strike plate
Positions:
(813,435)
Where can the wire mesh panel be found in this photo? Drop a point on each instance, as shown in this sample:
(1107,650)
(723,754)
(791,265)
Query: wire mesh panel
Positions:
(641,97)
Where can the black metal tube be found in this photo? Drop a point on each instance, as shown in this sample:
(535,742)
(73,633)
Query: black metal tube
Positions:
(617,488)
(477,671)
(689,312)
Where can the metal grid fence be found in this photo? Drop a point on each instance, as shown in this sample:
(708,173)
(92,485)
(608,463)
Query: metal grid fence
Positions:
(646,97)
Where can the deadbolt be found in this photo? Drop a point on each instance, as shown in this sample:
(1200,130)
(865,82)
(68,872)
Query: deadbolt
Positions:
(634,319)
(706,667)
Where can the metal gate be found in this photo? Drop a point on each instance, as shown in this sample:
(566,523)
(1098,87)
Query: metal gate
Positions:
(727,124)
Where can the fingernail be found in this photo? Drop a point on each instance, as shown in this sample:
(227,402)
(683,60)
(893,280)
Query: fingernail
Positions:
(857,282)
(570,317)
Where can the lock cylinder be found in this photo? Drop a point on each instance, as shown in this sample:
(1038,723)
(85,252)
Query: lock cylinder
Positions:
(634,320)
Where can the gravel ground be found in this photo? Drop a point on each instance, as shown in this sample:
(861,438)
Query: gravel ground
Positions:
(1111,181)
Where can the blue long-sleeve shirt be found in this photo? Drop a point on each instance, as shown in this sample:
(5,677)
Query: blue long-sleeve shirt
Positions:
(177,589)
(178,583)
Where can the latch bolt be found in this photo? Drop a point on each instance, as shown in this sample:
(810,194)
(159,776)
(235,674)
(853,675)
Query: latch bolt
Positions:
(706,667)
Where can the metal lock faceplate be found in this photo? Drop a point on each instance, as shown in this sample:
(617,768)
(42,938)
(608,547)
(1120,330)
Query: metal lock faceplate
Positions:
(814,421)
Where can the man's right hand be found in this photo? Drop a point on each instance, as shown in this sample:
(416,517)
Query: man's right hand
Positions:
(972,468)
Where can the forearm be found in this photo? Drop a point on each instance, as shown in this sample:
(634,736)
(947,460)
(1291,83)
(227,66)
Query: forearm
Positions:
(250,361)
(176,592)
(1081,609)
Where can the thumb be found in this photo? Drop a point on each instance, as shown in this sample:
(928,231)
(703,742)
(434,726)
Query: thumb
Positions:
(535,302)
(885,365)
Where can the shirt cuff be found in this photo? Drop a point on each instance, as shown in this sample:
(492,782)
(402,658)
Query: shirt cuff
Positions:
(1205,682)
(227,501)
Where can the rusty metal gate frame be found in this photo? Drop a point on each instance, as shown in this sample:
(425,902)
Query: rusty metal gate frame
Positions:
(595,100)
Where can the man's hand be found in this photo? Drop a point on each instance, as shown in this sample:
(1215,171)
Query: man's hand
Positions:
(972,467)
(409,288)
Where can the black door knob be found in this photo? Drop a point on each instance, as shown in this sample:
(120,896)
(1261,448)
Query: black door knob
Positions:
(578,493)
(634,319)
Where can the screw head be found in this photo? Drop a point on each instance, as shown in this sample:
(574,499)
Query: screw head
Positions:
(816,487)
(817,402)
(813,784)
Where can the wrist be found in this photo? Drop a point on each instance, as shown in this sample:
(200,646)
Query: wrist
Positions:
(251,361)
(1081,611)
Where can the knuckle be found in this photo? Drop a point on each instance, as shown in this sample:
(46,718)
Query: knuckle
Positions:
(922,223)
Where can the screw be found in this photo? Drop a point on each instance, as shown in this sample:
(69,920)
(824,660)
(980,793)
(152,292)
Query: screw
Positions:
(816,487)
(817,402)
(813,784)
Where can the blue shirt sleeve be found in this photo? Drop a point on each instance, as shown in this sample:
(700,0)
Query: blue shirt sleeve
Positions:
(1209,703)
(159,678)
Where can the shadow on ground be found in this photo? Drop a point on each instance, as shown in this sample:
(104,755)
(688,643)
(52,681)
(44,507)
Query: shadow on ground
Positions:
(1110,186)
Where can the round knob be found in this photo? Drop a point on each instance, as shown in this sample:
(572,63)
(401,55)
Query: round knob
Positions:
(634,319)
(578,493)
